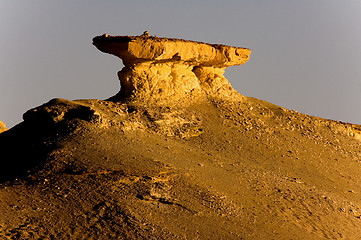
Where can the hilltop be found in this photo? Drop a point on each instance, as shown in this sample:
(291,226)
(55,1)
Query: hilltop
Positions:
(199,162)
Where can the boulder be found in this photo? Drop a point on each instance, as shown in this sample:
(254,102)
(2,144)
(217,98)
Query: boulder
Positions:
(167,71)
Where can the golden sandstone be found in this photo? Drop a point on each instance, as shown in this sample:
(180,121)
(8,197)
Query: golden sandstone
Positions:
(167,71)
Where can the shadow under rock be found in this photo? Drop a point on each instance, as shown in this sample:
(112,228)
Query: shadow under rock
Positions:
(23,149)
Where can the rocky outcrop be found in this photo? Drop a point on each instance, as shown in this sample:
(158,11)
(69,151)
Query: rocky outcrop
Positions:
(165,71)
(2,127)
(217,169)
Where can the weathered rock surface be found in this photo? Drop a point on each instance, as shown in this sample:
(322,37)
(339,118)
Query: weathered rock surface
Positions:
(2,127)
(165,71)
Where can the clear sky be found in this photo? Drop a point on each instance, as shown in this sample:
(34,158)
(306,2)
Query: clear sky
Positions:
(306,54)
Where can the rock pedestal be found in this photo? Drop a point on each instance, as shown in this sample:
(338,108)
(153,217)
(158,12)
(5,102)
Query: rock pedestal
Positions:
(164,71)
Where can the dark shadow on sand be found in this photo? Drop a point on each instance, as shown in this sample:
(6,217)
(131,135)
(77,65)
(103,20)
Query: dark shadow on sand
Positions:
(24,148)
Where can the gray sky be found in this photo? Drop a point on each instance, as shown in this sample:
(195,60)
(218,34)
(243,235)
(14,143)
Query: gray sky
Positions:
(306,54)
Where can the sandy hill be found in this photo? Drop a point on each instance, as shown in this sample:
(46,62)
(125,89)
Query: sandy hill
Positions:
(207,165)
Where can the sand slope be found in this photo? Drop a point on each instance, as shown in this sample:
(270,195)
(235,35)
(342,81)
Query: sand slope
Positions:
(242,169)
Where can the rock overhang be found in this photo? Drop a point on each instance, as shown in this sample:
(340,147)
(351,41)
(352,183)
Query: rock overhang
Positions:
(168,71)
(137,49)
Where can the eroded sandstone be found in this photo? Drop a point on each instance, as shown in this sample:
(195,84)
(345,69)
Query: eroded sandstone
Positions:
(165,71)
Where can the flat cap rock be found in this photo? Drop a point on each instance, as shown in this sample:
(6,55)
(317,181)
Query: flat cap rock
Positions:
(135,49)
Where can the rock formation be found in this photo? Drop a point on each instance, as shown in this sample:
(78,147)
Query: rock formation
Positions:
(2,127)
(226,167)
(165,71)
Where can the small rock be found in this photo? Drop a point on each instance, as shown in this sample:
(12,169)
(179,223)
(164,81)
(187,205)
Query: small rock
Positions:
(145,34)
(2,127)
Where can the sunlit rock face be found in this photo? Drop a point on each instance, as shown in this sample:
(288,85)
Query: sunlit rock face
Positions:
(165,71)
(2,127)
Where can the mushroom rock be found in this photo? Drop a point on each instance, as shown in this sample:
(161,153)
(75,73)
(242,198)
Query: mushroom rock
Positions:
(2,127)
(165,71)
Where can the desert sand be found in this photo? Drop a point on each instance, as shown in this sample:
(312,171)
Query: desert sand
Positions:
(178,154)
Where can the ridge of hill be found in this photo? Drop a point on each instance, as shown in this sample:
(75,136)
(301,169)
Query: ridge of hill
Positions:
(226,170)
